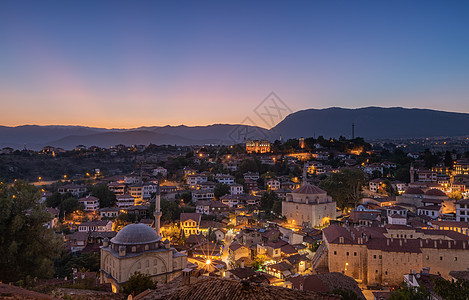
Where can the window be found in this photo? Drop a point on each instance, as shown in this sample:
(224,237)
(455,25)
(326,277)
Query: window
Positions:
(354,253)
(455,258)
(348,254)
(374,256)
(427,257)
(376,272)
(335,252)
(441,257)
(380,257)
(386,273)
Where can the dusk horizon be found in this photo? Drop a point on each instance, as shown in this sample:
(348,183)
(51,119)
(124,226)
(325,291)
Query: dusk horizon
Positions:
(122,65)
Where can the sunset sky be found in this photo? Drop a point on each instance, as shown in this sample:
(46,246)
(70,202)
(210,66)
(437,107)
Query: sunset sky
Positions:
(133,63)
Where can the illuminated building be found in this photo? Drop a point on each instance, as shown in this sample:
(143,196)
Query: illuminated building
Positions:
(257,146)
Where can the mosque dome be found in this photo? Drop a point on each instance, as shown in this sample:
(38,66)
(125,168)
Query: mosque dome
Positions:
(136,234)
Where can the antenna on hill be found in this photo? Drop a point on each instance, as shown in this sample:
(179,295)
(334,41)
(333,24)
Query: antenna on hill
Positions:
(353,131)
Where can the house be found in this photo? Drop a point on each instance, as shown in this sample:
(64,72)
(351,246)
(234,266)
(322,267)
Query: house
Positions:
(273,184)
(236,189)
(280,270)
(376,185)
(189,223)
(251,176)
(237,251)
(160,171)
(117,188)
(109,212)
(195,179)
(125,201)
(224,178)
(148,190)
(74,189)
(136,191)
(251,237)
(91,203)
(462,210)
(199,195)
(208,207)
(272,249)
(139,210)
(241,273)
(96,225)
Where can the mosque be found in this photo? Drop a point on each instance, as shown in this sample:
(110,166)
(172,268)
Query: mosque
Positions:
(140,248)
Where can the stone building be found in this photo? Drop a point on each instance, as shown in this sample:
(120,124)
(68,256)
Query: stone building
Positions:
(140,248)
(310,206)
(382,255)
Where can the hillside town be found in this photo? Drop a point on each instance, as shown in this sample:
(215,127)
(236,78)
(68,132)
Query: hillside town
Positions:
(309,214)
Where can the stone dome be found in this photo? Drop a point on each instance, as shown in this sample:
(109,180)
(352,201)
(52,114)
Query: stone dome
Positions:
(413,191)
(435,192)
(136,234)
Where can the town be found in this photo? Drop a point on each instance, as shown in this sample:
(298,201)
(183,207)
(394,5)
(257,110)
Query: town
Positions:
(335,216)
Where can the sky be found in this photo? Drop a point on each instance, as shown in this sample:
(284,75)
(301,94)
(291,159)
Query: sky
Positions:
(125,64)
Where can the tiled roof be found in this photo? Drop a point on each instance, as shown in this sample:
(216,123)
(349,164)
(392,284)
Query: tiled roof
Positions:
(218,289)
(309,189)
(243,273)
(435,192)
(190,216)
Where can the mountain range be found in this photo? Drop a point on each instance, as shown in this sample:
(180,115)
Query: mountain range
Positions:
(369,123)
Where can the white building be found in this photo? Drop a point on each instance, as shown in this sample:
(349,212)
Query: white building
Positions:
(198,195)
(224,178)
(91,203)
(96,225)
(125,201)
(273,184)
(236,189)
(462,210)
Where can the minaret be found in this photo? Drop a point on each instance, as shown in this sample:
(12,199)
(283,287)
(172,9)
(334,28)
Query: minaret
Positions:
(305,174)
(412,172)
(157,214)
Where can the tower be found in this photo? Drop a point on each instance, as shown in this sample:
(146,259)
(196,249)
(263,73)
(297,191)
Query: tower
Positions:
(412,173)
(157,214)
(305,174)
(353,131)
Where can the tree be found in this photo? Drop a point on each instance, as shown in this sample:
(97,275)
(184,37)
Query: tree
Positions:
(170,210)
(456,195)
(259,261)
(138,283)
(106,197)
(405,292)
(449,290)
(346,294)
(221,189)
(26,246)
(267,200)
(345,187)
(70,205)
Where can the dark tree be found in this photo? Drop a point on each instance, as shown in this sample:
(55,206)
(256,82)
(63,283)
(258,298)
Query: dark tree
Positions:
(345,187)
(221,189)
(106,197)
(138,283)
(26,246)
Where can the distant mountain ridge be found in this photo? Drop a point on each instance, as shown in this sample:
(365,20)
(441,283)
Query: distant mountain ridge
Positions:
(373,123)
(370,123)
